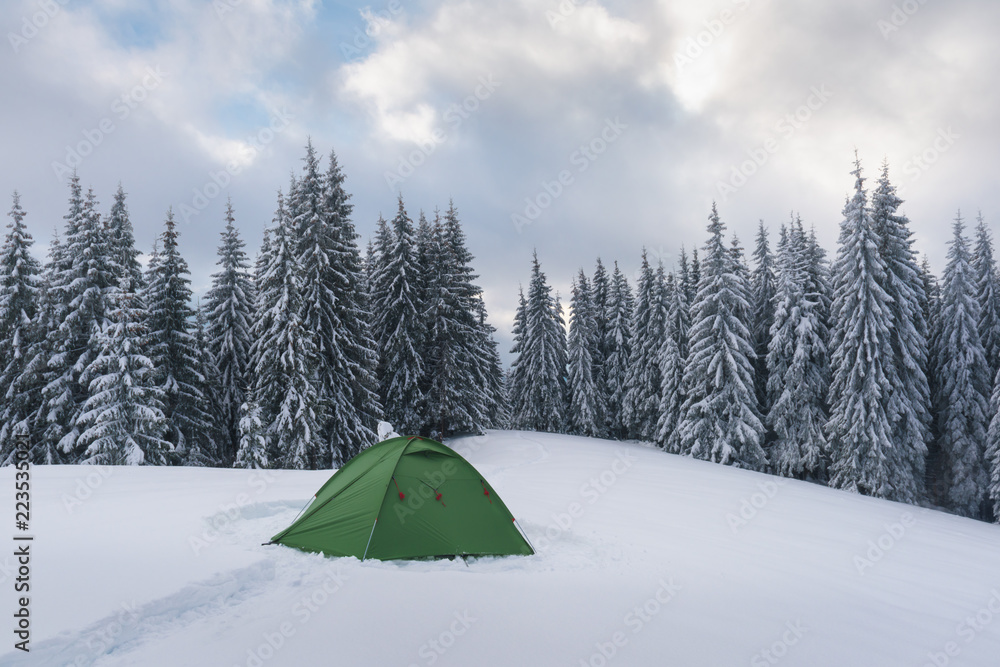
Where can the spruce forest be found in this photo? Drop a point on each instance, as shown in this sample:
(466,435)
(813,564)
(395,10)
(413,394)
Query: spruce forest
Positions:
(860,370)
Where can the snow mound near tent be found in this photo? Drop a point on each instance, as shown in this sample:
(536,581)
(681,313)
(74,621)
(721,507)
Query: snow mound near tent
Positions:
(643,558)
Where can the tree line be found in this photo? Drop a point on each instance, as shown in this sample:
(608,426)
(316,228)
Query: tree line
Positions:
(864,373)
(289,361)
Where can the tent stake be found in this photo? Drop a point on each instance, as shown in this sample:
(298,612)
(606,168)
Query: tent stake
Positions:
(369,540)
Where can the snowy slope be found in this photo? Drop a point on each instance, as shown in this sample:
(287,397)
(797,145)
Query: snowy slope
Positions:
(644,557)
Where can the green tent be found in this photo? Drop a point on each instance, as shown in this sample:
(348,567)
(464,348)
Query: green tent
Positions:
(406,497)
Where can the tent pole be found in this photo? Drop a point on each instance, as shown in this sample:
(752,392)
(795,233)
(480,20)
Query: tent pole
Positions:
(524,535)
(370,540)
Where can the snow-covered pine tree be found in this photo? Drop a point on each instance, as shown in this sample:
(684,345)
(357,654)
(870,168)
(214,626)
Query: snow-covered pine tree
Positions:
(457,364)
(543,358)
(619,349)
(37,374)
(121,239)
(286,359)
(333,307)
(671,362)
(936,476)
(173,349)
(600,288)
(83,282)
(798,370)
(909,401)
(859,429)
(993,451)
(210,448)
(586,409)
(495,398)
(123,420)
(720,421)
(252,453)
(762,291)
(398,327)
(988,294)
(20,294)
(352,309)
(229,306)
(963,396)
(695,275)
(517,382)
(684,280)
(641,406)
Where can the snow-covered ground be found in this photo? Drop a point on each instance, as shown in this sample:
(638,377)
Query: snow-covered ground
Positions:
(644,559)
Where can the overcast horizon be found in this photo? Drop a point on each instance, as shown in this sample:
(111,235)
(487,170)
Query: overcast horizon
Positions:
(582,130)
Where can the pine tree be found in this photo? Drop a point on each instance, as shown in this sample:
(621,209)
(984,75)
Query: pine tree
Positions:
(762,291)
(684,280)
(30,391)
(543,359)
(671,361)
(517,379)
(495,411)
(988,294)
(720,421)
(252,453)
(936,476)
(586,409)
(211,448)
(123,417)
(600,290)
(285,358)
(993,450)
(963,396)
(909,401)
(229,304)
(860,429)
(457,354)
(333,307)
(174,350)
(619,346)
(83,281)
(20,293)
(643,383)
(398,327)
(121,239)
(798,371)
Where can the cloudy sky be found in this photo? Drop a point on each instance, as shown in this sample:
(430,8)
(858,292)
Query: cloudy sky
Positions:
(577,128)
